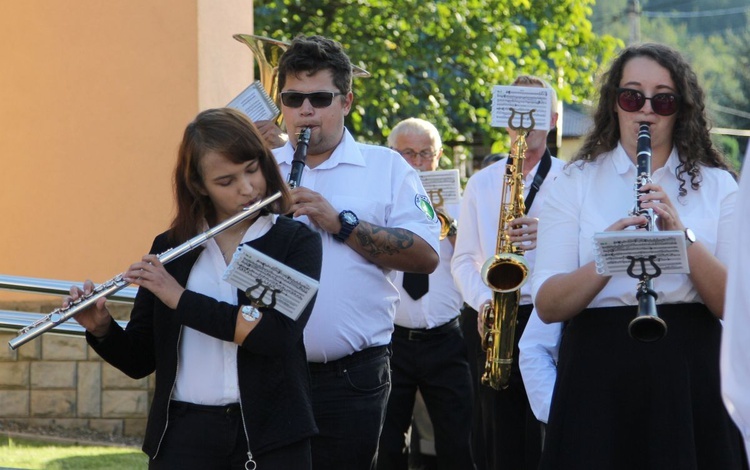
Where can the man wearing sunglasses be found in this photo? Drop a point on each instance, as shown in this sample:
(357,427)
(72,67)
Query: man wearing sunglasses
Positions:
(374,217)
(512,434)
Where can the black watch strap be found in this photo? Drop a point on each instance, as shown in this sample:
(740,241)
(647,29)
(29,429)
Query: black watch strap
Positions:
(349,222)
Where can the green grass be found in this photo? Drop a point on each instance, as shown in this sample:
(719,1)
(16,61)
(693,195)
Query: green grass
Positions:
(32,454)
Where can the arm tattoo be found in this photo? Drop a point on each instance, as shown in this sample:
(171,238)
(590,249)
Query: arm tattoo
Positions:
(377,241)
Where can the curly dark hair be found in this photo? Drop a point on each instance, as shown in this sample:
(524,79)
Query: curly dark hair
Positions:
(691,132)
(310,54)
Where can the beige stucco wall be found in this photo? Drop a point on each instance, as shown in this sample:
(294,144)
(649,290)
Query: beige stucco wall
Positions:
(94,96)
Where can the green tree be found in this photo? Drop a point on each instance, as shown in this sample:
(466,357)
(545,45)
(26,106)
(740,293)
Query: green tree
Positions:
(440,60)
(714,37)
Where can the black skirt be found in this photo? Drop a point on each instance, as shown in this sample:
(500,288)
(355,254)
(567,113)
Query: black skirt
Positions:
(623,404)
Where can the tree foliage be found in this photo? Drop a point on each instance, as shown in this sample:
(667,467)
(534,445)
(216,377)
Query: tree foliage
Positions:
(440,60)
(715,38)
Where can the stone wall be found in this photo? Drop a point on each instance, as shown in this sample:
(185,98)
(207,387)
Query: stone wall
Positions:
(59,381)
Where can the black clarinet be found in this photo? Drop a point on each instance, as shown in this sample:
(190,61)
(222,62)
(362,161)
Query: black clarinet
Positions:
(300,154)
(646,326)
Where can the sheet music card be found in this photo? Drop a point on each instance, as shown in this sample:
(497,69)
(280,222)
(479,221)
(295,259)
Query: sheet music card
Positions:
(255,103)
(442,186)
(612,249)
(522,100)
(291,290)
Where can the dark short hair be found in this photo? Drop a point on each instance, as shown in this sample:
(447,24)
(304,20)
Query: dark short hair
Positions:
(309,55)
(230,133)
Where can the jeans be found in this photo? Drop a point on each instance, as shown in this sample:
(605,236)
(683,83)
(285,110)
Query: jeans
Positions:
(349,398)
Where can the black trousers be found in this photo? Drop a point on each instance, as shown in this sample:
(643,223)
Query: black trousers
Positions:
(349,400)
(511,434)
(200,437)
(434,362)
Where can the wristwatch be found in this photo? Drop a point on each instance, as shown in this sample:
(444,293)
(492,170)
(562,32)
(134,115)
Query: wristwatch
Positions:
(250,313)
(349,222)
(689,236)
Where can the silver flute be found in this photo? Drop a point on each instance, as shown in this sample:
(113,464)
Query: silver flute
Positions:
(117,283)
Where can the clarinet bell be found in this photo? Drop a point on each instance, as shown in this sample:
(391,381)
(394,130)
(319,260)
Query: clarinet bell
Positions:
(647,327)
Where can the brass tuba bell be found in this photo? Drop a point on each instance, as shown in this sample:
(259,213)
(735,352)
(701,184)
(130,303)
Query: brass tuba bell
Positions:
(267,53)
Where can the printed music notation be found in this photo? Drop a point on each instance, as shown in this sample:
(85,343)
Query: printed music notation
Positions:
(442,186)
(522,100)
(614,251)
(255,103)
(251,269)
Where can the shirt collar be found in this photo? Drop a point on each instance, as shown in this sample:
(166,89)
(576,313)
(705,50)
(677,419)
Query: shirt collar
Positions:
(623,164)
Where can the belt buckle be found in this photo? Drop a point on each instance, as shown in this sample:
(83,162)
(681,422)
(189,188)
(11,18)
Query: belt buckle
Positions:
(415,335)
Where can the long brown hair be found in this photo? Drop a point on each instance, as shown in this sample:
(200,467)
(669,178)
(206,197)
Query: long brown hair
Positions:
(230,133)
(691,131)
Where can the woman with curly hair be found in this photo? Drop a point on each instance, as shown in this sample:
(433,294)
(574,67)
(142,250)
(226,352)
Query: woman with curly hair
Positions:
(620,403)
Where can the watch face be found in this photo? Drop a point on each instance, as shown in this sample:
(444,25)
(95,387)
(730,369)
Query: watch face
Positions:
(690,235)
(349,217)
(250,313)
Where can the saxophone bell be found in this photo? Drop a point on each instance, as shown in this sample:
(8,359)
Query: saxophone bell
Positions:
(505,272)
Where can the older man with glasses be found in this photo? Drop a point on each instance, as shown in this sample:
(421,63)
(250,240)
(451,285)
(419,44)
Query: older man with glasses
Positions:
(429,352)
(374,217)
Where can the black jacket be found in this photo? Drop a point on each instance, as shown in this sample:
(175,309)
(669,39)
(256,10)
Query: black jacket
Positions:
(274,380)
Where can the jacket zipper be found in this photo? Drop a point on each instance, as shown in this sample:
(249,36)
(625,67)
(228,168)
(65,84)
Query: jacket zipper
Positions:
(250,461)
(169,399)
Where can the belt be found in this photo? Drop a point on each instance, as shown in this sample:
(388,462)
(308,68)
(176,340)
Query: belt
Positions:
(229,409)
(350,360)
(420,334)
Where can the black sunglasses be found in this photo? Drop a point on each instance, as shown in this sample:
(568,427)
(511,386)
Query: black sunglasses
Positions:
(318,99)
(663,104)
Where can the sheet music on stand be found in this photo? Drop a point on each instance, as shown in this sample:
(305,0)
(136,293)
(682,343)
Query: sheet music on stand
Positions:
(255,103)
(252,269)
(442,186)
(613,249)
(522,100)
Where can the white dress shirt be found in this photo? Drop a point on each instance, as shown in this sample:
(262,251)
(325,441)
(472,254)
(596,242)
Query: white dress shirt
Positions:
(357,300)
(441,303)
(477,236)
(588,197)
(537,358)
(735,345)
(207,366)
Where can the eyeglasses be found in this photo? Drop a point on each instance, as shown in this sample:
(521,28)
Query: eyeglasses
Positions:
(412,155)
(663,104)
(318,99)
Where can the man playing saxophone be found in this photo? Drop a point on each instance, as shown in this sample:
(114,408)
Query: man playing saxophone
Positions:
(512,434)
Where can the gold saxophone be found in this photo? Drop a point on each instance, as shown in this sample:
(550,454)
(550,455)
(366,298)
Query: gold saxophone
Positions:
(505,272)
